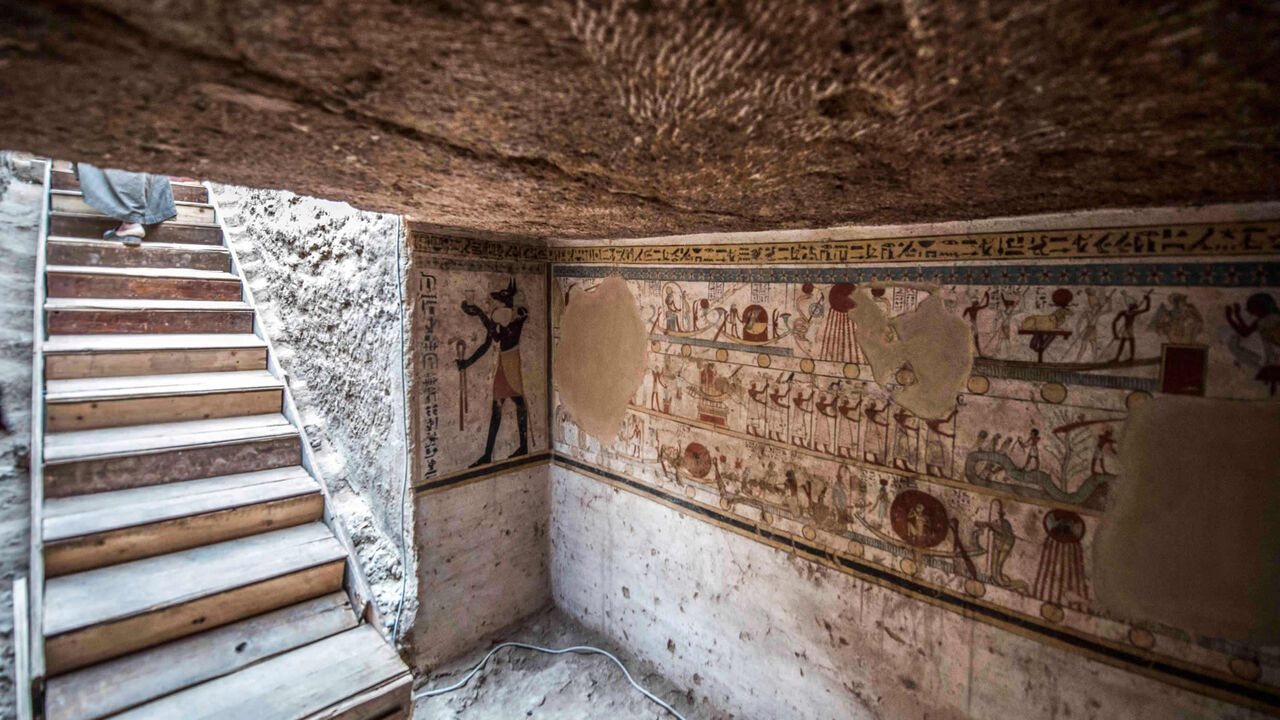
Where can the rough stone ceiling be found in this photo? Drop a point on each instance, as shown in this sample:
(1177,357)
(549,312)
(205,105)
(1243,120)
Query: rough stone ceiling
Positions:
(609,118)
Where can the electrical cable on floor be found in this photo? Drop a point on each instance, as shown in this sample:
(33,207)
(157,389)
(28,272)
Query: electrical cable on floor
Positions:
(404,421)
(575,648)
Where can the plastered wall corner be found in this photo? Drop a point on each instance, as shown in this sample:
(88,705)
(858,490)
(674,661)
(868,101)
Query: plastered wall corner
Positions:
(1189,538)
(600,360)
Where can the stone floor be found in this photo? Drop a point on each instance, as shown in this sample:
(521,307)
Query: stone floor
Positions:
(518,683)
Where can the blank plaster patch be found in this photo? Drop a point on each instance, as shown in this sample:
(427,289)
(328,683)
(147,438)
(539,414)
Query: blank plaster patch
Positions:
(1191,537)
(600,360)
(933,346)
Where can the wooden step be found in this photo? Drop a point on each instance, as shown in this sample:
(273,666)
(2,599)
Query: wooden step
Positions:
(113,253)
(90,461)
(351,675)
(91,531)
(182,191)
(83,404)
(108,688)
(76,281)
(105,613)
(72,201)
(91,316)
(82,356)
(104,402)
(83,225)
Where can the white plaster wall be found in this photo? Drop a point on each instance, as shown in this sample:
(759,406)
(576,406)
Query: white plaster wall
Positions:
(761,634)
(323,276)
(483,559)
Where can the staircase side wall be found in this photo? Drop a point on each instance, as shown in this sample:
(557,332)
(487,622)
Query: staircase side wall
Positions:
(323,276)
(19,219)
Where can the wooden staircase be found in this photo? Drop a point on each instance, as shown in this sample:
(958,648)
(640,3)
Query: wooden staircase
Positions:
(184,563)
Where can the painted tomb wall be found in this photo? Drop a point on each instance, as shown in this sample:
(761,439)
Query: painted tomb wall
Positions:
(479,347)
(919,434)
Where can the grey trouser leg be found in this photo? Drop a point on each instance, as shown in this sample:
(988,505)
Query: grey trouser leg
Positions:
(127,196)
(119,194)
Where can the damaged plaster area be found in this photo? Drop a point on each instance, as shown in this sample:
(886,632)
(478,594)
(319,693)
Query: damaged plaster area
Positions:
(324,276)
(1201,484)
(600,360)
(926,354)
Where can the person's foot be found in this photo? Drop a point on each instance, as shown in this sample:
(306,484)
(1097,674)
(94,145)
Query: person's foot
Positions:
(130,234)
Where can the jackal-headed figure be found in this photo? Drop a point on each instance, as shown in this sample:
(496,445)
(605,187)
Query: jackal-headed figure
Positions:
(503,327)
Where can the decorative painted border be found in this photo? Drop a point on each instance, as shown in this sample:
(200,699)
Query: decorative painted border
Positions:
(1147,241)
(1165,274)
(478,247)
(1191,677)
(470,264)
(426,486)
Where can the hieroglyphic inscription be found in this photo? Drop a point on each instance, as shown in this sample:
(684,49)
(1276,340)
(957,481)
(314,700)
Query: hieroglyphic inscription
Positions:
(430,409)
(1258,238)
(472,247)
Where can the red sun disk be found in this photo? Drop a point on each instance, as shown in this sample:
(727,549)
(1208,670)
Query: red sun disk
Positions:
(1064,526)
(841,297)
(918,518)
(697,460)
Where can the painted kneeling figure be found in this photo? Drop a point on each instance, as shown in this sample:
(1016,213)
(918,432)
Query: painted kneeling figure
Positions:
(503,327)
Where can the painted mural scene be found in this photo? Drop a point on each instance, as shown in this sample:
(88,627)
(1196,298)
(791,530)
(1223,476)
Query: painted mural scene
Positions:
(639,360)
(788,405)
(482,359)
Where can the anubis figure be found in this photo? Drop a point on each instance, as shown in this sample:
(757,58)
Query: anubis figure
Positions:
(508,381)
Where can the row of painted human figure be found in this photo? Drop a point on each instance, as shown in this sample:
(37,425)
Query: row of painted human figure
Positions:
(1058,330)
(854,426)
(845,505)
(832,421)
(839,424)
(1176,321)
(997,316)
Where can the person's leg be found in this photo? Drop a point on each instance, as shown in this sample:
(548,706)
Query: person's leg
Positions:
(131,192)
(118,194)
(160,204)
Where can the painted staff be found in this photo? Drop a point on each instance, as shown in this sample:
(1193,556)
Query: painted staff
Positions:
(462,383)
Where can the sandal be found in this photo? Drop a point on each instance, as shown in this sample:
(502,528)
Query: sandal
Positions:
(129,240)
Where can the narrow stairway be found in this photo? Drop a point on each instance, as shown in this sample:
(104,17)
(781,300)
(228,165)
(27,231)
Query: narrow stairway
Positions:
(190,569)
